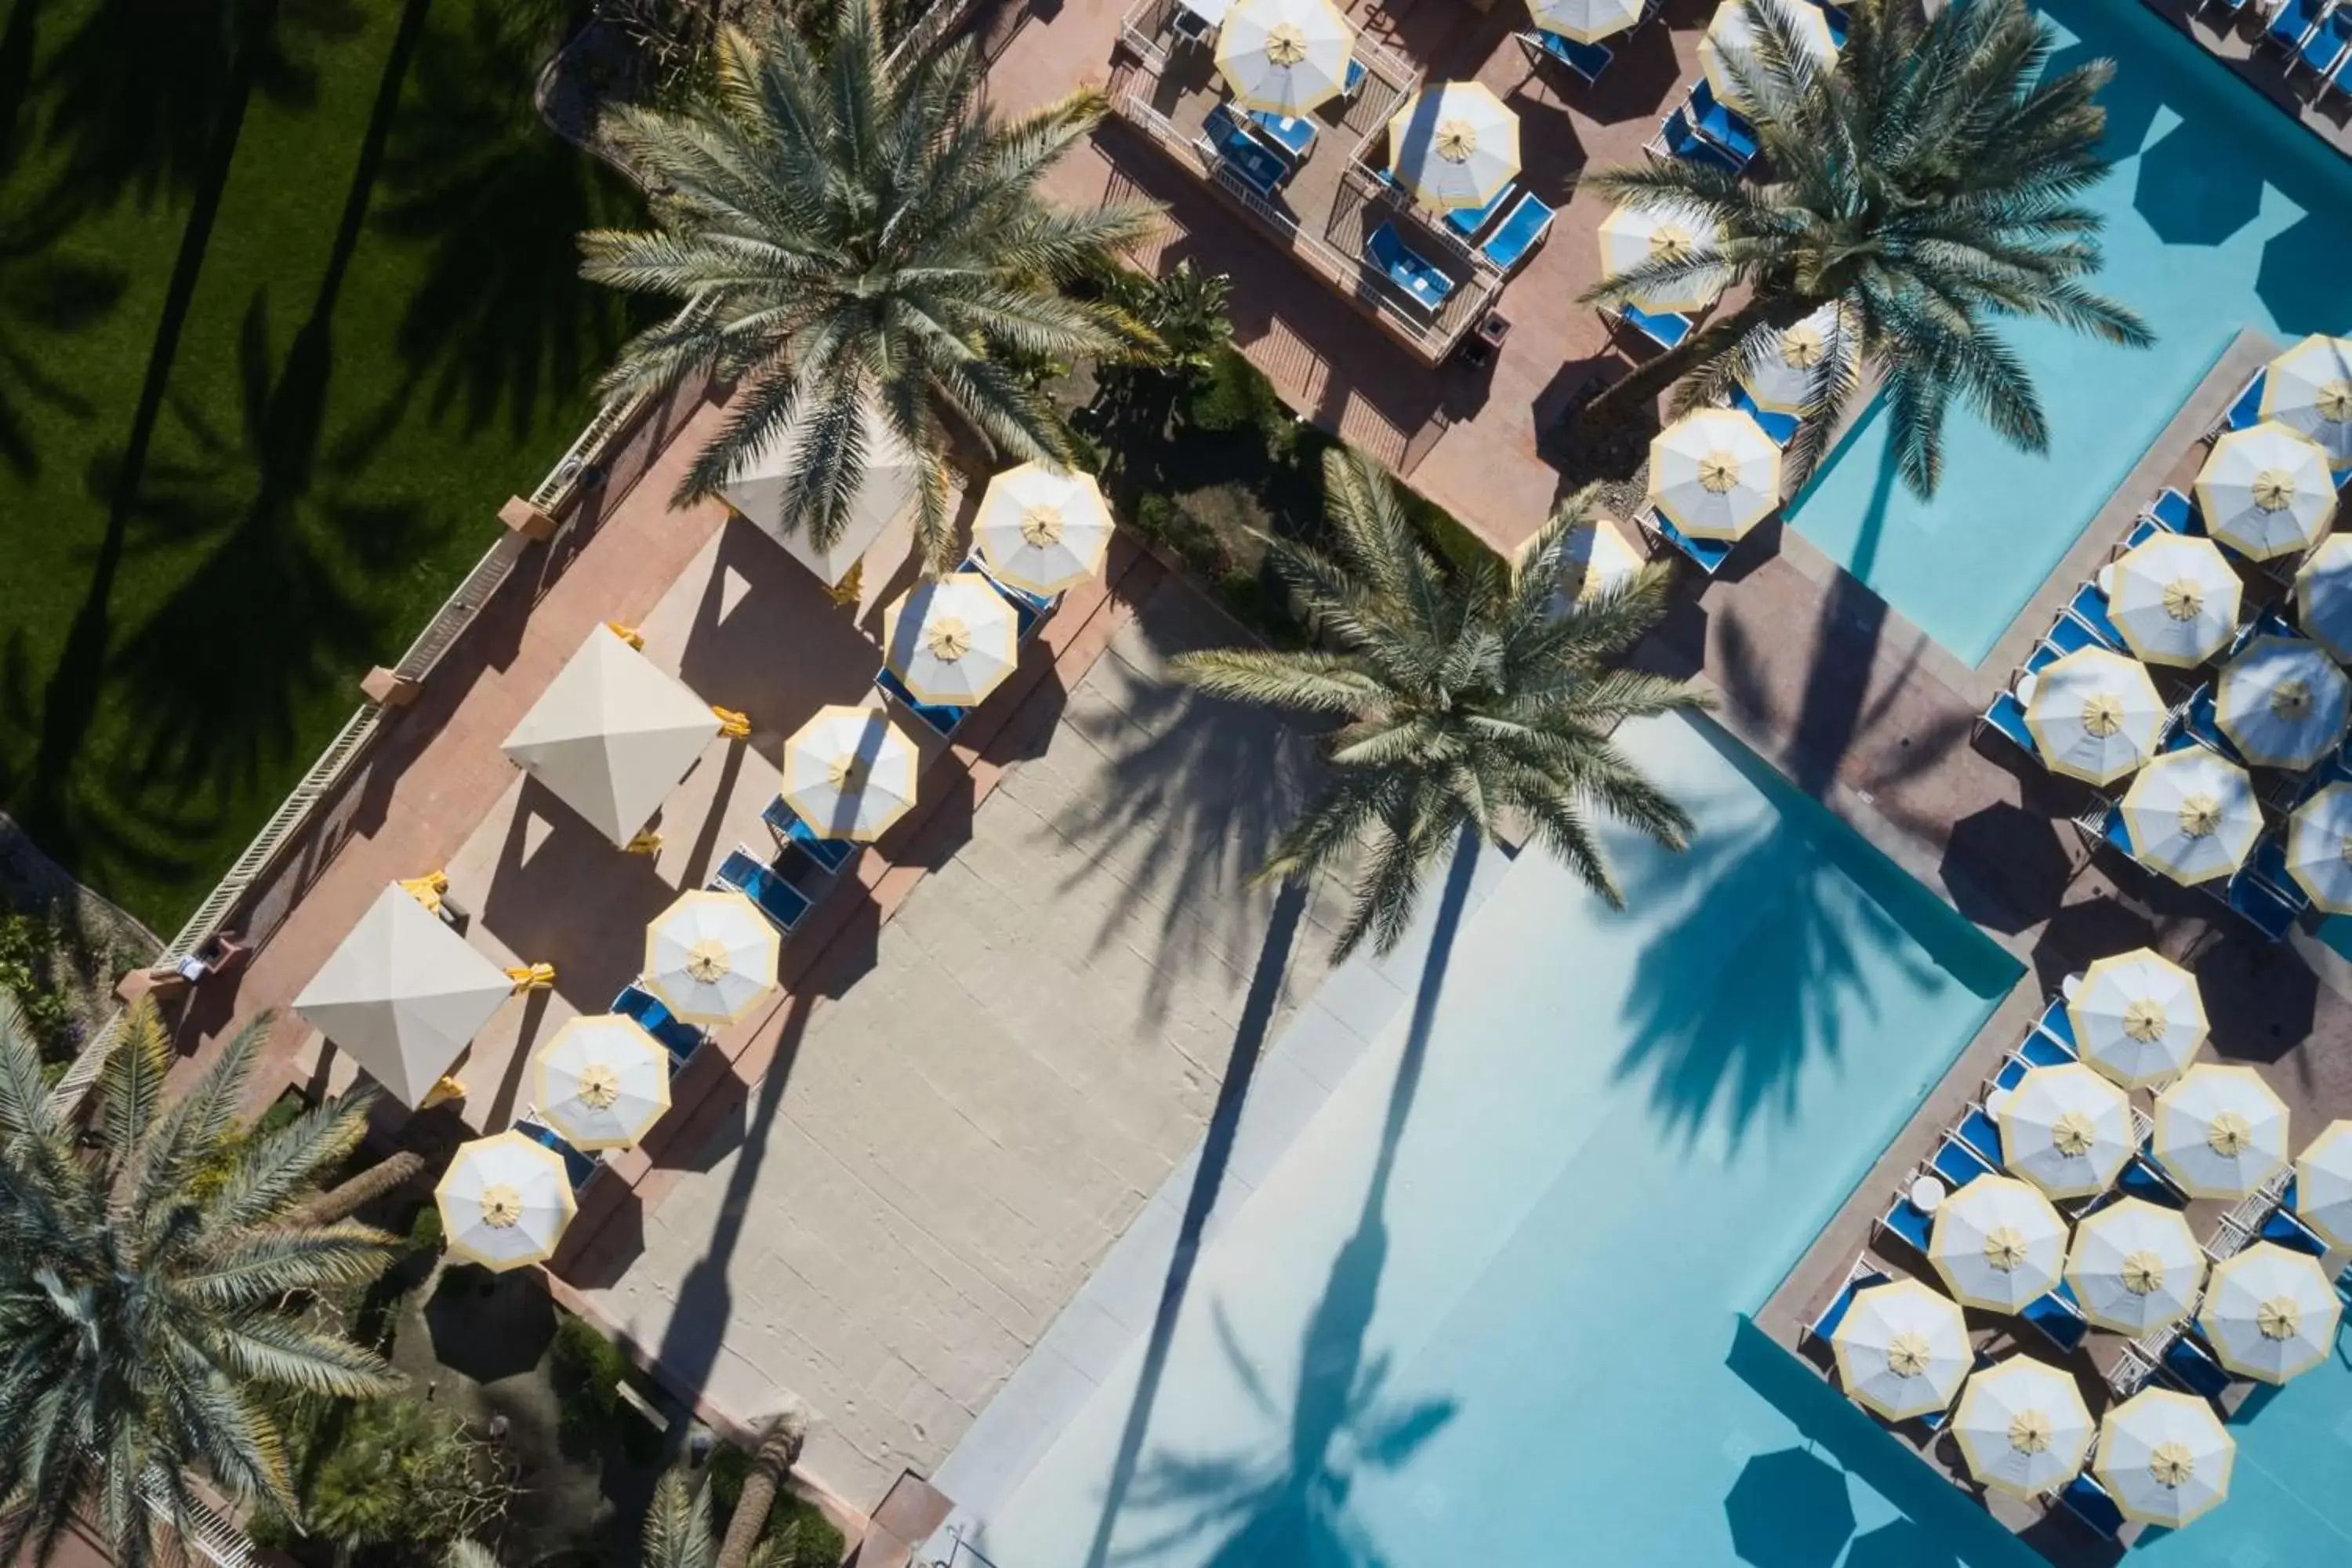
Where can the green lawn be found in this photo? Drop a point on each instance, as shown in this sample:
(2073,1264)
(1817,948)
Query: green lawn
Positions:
(287,309)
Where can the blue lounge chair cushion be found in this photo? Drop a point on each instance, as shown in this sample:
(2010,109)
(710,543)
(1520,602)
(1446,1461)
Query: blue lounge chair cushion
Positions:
(2267,912)
(577,1167)
(2293,22)
(2174,512)
(941,718)
(1587,60)
(1259,166)
(2267,864)
(1708,555)
(1683,140)
(782,903)
(1521,230)
(2057,1025)
(2007,714)
(1665,329)
(1292,135)
(1840,22)
(2089,605)
(2087,1500)
(1028,608)
(2192,1367)
(1781,427)
(830,853)
(1959,1164)
(2326,47)
(1980,1132)
(680,1038)
(1355,78)
(1415,275)
(2286,1228)
(1904,1218)
(2117,832)
(1467,221)
(1834,1313)
(2060,1319)
(1720,125)
(2202,723)
(2142,532)
(2142,1178)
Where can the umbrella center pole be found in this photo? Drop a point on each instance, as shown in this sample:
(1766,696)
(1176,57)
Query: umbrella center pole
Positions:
(2333,402)
(600,1087)
(1718,472)
(2072,1135)
(1041,526)
(1456,141)
(2290,697)
(2230,1135)
(2274,490)
(2184,599)
(2004,1248)
(706,961)
(2143,1273)
(2144,1021)
(2280,1318)
(1906,1355)
(947,639)
(2030,1432)
(1286,46)
(501,1207)
(2171,1465)
(2200,817)
(2103,715)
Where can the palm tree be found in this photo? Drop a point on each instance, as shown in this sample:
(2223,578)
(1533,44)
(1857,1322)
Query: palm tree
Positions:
(854,228)
(1469,696)
(1928,185)
(144,1312)
(778,1451)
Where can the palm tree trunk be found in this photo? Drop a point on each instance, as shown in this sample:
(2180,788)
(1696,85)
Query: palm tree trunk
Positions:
(346,1198)
(779,1452)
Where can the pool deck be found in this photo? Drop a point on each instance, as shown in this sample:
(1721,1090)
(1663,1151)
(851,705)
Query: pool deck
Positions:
(2236,42)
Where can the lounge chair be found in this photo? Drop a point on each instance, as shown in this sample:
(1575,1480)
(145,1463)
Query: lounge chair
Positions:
(1664,328)
(2296,21)
(2269,622)
(2264,908)
(2286,1227)
(1412,274)
(1708,554)
(1980,1132)
(1586,61)
(2188,1366)
(2059,1319)
(830,855)
(2268,864)
(2200,721)
(2324,50)
(578,1167)
(2068,634)
(1677,137)
(1721,125)
(2089,605)
(2141,533)
(1028,608)
(1908,1220)
(1782,427)
(2005,715)
(1356,74)
(940,718)
(1858,1279)
(1523,228)
(2174,512)
(1291,135)
(2036,1050)
(679,1039)
(1467,222)
(743,871)
(1959,1164)
(2087,1500)
(2144,1179)
(1254,163)
(2059,1025)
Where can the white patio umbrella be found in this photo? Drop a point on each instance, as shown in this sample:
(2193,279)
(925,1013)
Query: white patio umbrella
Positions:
(1596,557)
(2138,1018)
(951,640)
(2192,815)
(849,773)
(2022,1426)
(2322,1183)
(2165,1458)
(2283,701)
(1715,473)
(602,1081)
(1902,1349)
(613,734)
(2135,1266)
(1783,379)
(2174,598)
(403,995)
(1043,530)
(2319,848)
(1453,145)
(2220,1132)
(2309,389)
(2065,1129)
(1586,21)
(1285,56)
(2095,715)
(504,1200)
(1998,1243)
(1732,36)
(2323,596)
(2266,490)
(1636,235)
(2271,1313)
(711,956)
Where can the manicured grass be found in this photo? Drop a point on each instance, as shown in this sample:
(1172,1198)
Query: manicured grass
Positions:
(257,412)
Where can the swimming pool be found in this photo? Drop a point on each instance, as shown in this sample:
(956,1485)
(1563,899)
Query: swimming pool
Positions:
(2221,214)
(1523,1342)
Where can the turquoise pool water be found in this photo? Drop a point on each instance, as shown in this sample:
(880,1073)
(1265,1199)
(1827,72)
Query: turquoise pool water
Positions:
(2222,214)
(1523,1343)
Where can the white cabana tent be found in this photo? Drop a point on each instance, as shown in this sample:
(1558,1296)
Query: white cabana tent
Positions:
(403,995)
(611,735)
(892,483)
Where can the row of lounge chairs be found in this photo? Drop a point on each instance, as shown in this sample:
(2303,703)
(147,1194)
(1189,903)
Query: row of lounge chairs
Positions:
(2315,35)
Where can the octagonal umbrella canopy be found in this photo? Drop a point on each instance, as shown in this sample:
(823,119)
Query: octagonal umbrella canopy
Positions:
(2220,1132)
(2309,389)
(2192,816)
(711,956)
(504,1200)
(1636,234)
(1902,1349)
(2022,1426)
(2138,1018)
(602,1081)
(611,735)
(1998,1243)
(1043,530)
(2065,1129)
(403,995)
(2283,701)
(1285,56)
(2174,598)
(1715,473)
(2319,848)
(2094,715)
(2323,596)
(2266,490)
(1731,36)
(2271,1313)
(2135,1266)
(1586,21)
(1453,145)
(1785,377)
(951,640)
(849,773)
(2322,1183)
(2165,1458)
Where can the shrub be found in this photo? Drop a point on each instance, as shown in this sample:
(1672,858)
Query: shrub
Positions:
(798,1533)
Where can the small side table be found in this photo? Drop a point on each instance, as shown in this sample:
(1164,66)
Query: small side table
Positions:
(1927,1195)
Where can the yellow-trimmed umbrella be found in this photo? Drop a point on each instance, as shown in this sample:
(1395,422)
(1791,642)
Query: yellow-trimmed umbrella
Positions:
(1902,1349)
(1784,378)
(2271,1313)
(2309,389)
(951,640)
(1596,557)
(1285,56)
(2284,702)
(2322,1183)
(602,1081)
(2319,849)
(1636,235)
(2135,1266)
(2323,596)
(2064,1129)
(711,956)
(2138,1018)
(504,1200)
(2266,490)
(849,773)
(2022,1426)
(1586,21)
(2192,816)
(2220,1132)
(1732,36)
(2174,598)
(1715,473)
(2165,1458)
(1043,530)
(1998,1243)
(2094,715)
(1453,145)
